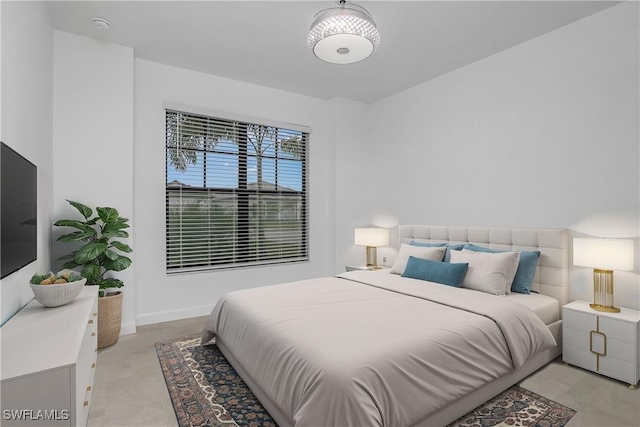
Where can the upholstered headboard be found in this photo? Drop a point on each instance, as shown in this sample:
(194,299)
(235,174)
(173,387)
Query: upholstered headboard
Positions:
(552,271)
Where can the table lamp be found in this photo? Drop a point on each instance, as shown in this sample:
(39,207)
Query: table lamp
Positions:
(372,238)
(604,256)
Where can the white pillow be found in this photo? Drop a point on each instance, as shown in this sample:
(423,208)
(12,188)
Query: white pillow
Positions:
(488,272)
(424,252)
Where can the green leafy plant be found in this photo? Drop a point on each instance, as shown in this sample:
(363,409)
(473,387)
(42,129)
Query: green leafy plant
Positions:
(99,251)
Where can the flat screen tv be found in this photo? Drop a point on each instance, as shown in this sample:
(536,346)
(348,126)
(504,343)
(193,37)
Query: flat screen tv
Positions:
(18,209)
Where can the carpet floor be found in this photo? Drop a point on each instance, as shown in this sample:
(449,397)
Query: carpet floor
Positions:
(206,391)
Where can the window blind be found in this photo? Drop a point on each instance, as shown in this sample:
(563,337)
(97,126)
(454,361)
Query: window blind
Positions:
(236,193)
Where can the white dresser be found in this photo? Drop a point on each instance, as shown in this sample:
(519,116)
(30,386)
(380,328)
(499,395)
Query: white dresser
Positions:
(606,343)
(48,362)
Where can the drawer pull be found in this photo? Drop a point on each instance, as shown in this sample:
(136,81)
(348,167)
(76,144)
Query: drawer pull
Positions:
(90,321)
(93,334)
(604,339)
(86,403)
(93,365)
(95,314)
(596,352)
(88,388)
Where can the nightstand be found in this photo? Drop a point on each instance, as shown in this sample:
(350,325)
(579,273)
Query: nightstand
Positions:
(606,343)
(360,267)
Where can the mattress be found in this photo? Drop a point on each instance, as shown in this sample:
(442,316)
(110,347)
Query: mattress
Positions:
(545,307)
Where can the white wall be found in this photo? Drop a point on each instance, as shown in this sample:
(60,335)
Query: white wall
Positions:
(544,134)
(354,179)
(93,139)
(162,297)
(26,124)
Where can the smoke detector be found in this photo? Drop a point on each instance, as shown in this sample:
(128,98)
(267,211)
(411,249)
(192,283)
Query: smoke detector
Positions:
(101,24)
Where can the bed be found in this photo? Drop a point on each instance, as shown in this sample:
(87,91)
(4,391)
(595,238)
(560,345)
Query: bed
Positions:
(374,348)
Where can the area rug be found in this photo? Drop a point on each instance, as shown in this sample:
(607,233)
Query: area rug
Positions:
(207,391)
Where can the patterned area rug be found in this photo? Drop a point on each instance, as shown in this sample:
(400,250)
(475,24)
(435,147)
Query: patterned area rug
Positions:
(207,391)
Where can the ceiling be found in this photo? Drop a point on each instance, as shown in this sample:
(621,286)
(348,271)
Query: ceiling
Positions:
(264,42)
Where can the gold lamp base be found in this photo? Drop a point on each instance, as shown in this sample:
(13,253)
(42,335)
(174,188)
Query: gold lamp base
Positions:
(603,291)
(372,258)
(605,308)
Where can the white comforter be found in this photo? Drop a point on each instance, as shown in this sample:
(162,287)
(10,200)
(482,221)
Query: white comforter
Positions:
(372,349)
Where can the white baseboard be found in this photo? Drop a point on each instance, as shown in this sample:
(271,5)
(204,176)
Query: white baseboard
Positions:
(128,328)
(167,316)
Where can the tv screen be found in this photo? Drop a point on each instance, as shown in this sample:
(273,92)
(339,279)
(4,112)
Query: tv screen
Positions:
(18,209)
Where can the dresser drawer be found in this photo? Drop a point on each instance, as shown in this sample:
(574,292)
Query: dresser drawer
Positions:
(86,356)
(575,338)
(578,320)
(621,350)
(578,356)
(618,330)
(83,411)
(618,369)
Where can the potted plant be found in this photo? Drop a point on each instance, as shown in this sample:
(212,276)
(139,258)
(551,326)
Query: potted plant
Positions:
(100,253)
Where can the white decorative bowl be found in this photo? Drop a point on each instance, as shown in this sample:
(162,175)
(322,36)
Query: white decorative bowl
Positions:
(56,295)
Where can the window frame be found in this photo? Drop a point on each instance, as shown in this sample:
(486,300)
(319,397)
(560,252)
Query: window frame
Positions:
(242,196)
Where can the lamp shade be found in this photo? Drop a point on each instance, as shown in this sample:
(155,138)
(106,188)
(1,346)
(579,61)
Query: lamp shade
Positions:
(372,236)
(603,254)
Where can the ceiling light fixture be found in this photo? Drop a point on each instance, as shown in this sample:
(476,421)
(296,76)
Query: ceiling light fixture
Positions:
(102,24)
(343,34)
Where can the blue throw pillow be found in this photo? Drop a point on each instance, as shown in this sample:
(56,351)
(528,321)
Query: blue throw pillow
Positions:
(439,272)
(526,268)
(447,256)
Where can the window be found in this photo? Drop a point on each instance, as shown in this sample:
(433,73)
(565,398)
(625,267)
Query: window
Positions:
(236,193)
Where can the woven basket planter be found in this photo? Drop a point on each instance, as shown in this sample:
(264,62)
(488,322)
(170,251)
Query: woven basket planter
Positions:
(109,319)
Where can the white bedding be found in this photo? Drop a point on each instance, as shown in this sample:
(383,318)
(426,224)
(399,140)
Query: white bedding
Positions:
(369,349)
(547,308)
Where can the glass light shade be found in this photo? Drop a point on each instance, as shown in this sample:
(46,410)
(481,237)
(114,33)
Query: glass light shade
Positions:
(603,254)
(371,236)
(343,35)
